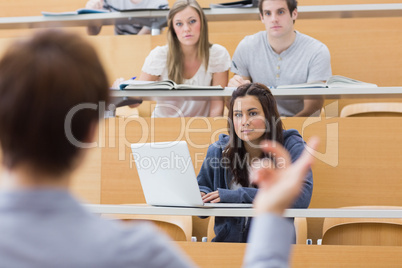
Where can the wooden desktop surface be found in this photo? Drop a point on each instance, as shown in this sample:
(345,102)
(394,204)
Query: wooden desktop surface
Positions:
(230,14)
(326,93)
(231,255)
(145,209)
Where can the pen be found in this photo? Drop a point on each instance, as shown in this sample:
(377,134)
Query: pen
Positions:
(134,77)
(234,64)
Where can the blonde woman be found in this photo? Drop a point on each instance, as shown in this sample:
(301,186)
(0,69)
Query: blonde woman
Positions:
(188,58)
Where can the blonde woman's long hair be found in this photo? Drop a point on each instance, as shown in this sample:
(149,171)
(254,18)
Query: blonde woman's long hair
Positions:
(174,57)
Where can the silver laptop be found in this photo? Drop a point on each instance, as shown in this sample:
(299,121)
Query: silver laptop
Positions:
(167,175)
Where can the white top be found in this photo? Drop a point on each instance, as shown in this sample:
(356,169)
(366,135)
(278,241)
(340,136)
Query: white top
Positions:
(156,64)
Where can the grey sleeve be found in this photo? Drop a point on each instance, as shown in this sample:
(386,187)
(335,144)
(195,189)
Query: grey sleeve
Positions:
(239,60)
(145,246)
(320,65)
(269,242)
(304,198)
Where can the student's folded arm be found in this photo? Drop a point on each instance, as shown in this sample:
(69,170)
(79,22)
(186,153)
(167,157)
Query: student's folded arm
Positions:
(241,195)
(207,172)
(144,30)
(94,29)
(311,106)
(320,65)
(148,77)
(206,176)
(303,201)
(319,70)
(238,80)
(216,108)
(205,189)
(221,79)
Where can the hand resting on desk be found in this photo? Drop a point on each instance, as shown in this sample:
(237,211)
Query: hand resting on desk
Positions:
(131,102)
(237,81)
(212,197)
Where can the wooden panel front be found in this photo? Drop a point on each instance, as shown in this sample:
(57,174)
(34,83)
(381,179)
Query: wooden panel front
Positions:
(231,255)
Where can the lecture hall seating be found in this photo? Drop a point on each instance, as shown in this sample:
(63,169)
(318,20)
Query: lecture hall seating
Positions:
(352,157)
(360,155)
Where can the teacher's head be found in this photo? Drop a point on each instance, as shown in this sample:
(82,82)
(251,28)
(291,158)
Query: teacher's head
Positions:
(51,85)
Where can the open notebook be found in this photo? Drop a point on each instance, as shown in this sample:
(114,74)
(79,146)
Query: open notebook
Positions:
(167,175)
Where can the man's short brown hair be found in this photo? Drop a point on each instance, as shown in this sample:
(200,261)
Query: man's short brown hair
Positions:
(292,5)
(41,79)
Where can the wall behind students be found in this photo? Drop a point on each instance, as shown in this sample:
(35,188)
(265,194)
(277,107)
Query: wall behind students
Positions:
(34,8)
(122,56)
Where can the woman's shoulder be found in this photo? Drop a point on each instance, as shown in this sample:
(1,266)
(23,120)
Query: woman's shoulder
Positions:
(155,63)
(223,139)
(294,143)
(219,58)
(253,41)
(291,137)
(217,49)
(159,51)
(220,144)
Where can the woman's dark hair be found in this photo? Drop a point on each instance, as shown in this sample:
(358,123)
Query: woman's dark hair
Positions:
(235,150)
(42,79)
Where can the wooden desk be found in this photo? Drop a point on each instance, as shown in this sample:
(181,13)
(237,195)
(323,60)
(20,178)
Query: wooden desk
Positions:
(174,94)
(232,14)
(119,96)
(243,212)
(327,93)
(231,255)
